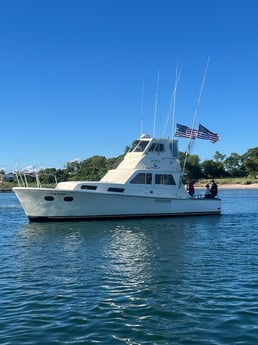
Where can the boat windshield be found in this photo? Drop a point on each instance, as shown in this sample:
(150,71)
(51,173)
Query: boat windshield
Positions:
(139,145)
(157,147)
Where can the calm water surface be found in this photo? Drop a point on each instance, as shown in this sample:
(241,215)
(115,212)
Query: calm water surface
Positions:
(187,280)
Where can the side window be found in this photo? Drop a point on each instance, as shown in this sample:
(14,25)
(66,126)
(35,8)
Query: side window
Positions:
(89,187)
(169,179)
(156,147)
(158,179)
(139,179)
(165,179)
(142,178)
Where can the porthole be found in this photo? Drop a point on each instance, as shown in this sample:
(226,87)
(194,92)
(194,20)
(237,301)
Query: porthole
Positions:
(49,198)
(68,198)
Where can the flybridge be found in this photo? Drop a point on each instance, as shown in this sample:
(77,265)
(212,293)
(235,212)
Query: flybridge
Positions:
(150,154)
(147,144)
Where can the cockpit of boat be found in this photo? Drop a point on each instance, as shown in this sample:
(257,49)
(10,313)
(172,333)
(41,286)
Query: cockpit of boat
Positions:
(158,146)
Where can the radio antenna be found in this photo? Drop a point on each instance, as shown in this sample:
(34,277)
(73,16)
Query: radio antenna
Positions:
(142,109)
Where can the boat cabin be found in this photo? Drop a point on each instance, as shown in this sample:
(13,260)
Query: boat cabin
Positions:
(147,144)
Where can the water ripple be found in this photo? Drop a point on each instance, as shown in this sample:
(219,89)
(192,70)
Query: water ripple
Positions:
(161,281)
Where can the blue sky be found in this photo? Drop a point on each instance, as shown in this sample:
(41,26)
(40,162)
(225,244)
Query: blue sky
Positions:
(71,75)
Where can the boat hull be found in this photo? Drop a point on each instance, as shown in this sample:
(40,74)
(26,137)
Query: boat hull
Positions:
(55,205)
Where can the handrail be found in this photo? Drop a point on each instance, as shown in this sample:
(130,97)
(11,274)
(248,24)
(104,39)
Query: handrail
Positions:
(22,180)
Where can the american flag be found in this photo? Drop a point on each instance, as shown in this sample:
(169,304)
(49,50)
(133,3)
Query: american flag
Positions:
(185,132)
(204,133)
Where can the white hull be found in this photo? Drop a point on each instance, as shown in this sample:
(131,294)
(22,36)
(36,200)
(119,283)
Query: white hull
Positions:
(91,205)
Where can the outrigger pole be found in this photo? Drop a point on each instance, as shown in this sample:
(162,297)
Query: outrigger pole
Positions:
(156,107)
(172,106)
(190,144)
(142,108)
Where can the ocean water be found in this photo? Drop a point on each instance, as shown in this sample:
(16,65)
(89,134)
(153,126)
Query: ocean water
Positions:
(184,280)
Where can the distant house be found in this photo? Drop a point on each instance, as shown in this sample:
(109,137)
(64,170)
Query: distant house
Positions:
(7,177)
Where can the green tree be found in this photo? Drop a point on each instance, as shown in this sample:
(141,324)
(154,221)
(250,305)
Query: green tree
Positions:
(91,169)
(250,162)
(192,167)
(233,165)
(52,175)
(72,168)
(219,157)
(212,169)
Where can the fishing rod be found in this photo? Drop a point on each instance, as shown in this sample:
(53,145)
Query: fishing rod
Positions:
(172,106)
(190,144)
(156,107)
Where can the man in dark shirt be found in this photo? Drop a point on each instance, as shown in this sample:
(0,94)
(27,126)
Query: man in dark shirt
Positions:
(214,188)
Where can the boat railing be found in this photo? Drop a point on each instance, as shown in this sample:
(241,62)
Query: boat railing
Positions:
(22,178)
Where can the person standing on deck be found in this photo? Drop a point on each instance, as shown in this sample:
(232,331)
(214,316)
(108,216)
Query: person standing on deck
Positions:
(191,188)
(208,191)
(214,188)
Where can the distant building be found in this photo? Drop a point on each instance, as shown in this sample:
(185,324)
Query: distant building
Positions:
(7,177)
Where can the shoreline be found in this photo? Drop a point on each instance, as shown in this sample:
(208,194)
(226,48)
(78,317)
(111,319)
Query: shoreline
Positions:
(6,190)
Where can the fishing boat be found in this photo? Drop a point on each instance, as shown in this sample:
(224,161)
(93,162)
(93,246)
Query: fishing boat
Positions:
(147,183)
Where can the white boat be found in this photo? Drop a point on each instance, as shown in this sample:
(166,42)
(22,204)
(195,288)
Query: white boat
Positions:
(147,183)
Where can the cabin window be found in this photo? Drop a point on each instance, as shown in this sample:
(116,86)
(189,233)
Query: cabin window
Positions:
(157,147)
(49,198)
(118,190)
(89,187)
(68,198)
(134,144)
(139,146)
(142,178)
(164,179)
